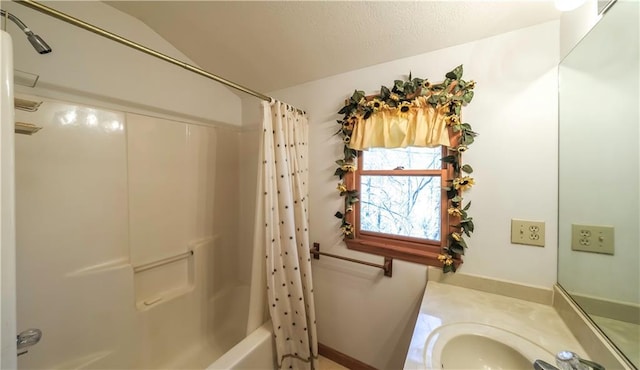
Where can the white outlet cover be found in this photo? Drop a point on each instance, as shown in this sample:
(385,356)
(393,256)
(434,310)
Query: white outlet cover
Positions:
(527,232)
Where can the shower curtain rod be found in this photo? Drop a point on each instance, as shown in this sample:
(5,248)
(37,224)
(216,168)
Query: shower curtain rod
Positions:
(134,45)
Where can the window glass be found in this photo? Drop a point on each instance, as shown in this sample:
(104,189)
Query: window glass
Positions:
(401,205)
(402,158)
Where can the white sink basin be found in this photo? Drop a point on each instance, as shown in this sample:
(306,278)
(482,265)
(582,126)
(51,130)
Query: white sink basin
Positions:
(480,346)
(477,352)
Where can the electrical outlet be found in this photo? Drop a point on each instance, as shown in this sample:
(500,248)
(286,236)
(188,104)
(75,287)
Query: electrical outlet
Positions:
(594,239)
(527,232)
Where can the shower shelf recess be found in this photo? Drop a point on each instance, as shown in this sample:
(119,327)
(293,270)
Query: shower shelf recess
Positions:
(162,280)
(27,106)
(26,128)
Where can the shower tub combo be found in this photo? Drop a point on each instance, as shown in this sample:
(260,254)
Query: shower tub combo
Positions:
(119,265)
(127,231)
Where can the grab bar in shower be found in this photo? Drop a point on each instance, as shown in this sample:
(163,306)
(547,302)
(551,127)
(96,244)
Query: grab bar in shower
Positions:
(160,262)
(387,266)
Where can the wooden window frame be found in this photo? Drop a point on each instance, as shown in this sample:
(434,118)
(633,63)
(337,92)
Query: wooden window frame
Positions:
(395,246)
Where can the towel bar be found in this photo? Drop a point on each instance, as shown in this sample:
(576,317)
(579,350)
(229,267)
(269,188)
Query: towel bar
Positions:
(387,266)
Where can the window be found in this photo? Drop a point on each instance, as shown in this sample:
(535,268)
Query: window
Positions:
(402,212)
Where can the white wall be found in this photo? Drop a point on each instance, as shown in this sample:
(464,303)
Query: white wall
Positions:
(89,68)
(599,155)
(515,112)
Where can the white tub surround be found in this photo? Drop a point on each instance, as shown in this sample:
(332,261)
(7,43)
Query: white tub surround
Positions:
(133,219)
(7,214)
(451,314)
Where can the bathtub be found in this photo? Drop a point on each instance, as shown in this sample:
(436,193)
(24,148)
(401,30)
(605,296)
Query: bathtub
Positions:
(256,351)
(226,346)
(221,345)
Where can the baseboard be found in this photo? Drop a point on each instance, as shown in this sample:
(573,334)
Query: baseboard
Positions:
(342,359)
(505,288)
(621,311)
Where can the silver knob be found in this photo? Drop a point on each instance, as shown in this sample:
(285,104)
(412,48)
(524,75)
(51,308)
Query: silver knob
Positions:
(28,338)
(567,360)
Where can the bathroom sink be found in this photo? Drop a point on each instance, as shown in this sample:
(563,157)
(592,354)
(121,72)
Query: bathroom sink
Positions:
(481,346)
(478,352)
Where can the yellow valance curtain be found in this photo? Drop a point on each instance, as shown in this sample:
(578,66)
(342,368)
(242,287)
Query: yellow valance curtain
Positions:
(421,125)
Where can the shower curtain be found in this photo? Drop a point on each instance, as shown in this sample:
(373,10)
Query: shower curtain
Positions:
(286,235)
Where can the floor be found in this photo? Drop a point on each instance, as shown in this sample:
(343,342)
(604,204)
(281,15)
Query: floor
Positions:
(326,364)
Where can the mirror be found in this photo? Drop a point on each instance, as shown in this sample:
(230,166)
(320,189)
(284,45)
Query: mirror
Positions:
(599,161)
(604,4)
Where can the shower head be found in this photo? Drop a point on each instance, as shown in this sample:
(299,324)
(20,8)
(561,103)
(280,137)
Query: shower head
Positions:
(36,41)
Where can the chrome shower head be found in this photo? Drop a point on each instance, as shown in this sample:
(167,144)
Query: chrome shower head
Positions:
(36,41)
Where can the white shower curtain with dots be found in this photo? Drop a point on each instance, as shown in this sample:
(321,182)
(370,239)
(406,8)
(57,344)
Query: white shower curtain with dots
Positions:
(288,261)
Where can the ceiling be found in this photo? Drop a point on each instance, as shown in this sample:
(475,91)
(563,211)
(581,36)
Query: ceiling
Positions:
(268,45)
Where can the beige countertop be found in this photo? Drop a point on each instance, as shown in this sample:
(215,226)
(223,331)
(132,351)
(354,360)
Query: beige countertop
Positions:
(447,310)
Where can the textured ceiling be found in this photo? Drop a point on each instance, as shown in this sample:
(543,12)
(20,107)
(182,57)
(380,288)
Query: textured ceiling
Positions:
(268,45)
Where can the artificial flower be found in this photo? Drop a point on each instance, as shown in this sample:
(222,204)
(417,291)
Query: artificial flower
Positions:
(349,209)
(462,148)
(347,229)
(376,104)
(404,108)
(457,237)
(452,119)
(463,183)
(426,84)
(349,167)
(342,188)
(471,84)
(346,139)
(445,259)
(394,96)
(455,212)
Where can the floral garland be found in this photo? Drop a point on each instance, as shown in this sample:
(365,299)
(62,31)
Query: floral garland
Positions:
(454,93)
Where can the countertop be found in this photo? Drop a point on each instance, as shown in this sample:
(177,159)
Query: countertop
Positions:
(444,304)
